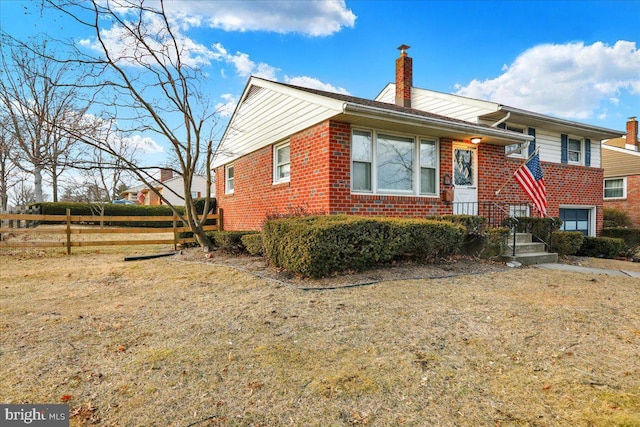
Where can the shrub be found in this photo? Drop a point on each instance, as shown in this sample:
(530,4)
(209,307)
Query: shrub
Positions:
(318,246)
(567,242)
(253,244)
(229,241)
(495,242)
(601,247)
(475,225)
(631,237)
(110,209)
(616,218)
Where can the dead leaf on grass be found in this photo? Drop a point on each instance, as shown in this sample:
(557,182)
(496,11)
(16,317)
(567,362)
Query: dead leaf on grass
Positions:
(66,397)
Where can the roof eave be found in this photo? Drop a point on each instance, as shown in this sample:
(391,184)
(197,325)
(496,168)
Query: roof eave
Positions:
(590,130)
(468,129)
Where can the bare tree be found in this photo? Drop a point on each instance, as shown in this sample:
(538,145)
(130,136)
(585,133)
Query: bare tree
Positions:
(23,193)
(107,169)
(150,83)
(8,169)
(39,108)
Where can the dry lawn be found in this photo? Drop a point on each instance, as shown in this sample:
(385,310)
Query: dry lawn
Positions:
(173,342)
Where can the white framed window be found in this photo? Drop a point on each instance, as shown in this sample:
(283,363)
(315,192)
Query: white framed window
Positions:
(281,163)
(361,160)
(575,151)
(516,150)
(615,188)
(229,177)
(386,163)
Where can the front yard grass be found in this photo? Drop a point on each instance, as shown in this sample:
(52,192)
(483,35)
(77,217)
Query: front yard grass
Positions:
(170,343)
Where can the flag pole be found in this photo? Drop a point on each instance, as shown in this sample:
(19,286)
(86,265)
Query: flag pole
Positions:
(517,169)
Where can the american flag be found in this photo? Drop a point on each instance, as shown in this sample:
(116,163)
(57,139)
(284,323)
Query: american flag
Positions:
(531,179)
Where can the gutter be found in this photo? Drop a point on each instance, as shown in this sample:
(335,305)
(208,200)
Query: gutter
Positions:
(442,124)
(583,126)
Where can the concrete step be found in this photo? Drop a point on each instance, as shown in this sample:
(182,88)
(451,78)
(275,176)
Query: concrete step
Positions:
(532,258)
(520,238)
(525,248)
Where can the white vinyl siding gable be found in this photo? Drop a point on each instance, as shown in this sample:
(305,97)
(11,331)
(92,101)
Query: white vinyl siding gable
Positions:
(269,113)
(454,106)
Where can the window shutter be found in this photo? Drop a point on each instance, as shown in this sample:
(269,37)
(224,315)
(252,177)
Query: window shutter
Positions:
(587,152)
(564,139)
(532,144)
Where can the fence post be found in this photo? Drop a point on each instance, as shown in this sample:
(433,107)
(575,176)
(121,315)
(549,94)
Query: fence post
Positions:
(68,231)
(175,232)
(220,220)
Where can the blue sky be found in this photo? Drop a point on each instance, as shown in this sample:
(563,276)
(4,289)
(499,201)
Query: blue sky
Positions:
(578,60)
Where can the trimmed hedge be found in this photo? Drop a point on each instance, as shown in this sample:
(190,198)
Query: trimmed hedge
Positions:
(631,237)
(112,209)
(601,247)
(474,224)
(567,242)
(317,246)
(253,244)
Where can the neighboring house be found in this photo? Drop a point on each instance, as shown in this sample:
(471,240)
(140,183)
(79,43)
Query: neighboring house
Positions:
(171,188)
(621,163)
(291,149)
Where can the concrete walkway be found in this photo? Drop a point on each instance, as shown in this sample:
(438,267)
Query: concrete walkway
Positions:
(590,270)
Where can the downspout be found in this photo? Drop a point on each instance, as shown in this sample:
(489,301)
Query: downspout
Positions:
(502,120)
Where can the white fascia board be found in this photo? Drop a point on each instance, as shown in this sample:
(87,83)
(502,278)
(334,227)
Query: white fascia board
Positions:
(604,132)
(621,150)
(436,123)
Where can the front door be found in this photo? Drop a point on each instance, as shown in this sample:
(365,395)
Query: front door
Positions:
(465,179)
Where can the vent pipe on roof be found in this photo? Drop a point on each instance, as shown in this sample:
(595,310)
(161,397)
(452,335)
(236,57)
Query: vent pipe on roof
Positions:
(404,77)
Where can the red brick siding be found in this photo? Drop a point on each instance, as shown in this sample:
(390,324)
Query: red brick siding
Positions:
(631,204)
(320,182)
(255,196)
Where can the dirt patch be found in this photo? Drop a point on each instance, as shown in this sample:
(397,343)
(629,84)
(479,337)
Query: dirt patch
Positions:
(259,267)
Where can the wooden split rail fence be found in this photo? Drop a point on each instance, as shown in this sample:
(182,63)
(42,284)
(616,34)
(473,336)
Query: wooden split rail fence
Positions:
(72,228)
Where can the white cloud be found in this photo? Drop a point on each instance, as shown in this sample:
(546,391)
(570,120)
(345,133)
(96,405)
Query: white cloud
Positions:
(144,144)
(312,17)
(572,80)
(226,108)
(313,83)
(244,66)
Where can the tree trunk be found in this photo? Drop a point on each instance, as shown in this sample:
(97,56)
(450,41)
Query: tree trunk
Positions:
(37,184)
(54,183)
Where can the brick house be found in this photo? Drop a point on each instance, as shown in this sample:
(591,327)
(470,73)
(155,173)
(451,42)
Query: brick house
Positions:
(621,163)
(169,186)
(410,153)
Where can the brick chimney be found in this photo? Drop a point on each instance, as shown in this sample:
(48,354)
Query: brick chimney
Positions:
(632,133)
(404,77)
(165,174)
